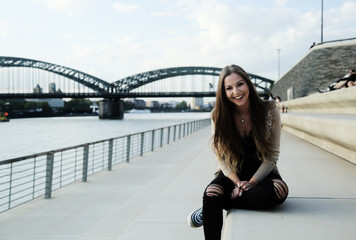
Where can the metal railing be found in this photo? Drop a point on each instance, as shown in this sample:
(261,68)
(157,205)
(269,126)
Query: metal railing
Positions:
(337,40)
(26,178)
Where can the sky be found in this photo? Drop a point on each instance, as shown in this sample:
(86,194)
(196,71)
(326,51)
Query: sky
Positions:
(113,39)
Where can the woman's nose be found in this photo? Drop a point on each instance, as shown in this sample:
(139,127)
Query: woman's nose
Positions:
(235,90)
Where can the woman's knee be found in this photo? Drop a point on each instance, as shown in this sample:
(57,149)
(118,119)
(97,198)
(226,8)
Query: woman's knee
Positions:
(214,190)
(280,188)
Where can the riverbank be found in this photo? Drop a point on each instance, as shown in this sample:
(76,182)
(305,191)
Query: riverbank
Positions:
(40,114)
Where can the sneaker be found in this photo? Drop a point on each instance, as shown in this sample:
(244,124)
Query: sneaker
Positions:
(195,219)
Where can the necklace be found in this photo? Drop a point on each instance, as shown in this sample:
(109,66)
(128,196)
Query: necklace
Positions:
(242,119)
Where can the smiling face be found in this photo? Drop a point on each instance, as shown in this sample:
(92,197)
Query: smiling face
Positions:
(237,90)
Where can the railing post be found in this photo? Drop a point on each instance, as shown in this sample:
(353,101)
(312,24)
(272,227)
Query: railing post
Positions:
(174,133)
(180,131)
(153,140)
(161,142)
(184,129)
(142,143)
(49,175)
(85,163)
(128,147)
(169,134)
(110,154)
(10,186)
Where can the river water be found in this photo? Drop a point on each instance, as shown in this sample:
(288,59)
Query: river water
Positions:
(21,137)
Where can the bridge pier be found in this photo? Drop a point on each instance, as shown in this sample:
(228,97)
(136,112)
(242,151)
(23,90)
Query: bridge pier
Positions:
(111,108)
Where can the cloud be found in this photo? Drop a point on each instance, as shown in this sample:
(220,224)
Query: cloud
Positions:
(241,34)
(121,7)
(114,54)
(281,2)
(216,33)
(71,7)
(250,35)
(3,29)
(339,22)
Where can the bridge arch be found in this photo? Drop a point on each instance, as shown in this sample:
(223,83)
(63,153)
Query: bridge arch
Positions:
(134,81)
(125,85)
(94,83)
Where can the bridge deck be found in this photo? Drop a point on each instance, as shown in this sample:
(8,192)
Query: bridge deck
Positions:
(150,198)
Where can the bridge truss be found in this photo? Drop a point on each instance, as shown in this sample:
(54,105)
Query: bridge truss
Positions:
(94,83)
(126,87)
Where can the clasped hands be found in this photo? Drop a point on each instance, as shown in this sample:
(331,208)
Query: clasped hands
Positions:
(240,188)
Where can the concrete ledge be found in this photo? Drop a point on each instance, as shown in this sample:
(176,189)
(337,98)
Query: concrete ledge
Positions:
(294,220)
(327,120)
(335,135)
(338,101)
(321,204)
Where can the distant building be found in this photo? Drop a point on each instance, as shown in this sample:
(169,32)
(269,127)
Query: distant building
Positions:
(210,104)
(138,103)
(166,105)
(37,89)
(197,103)
(173,104)
(52,88)
(55,103)
(152,104)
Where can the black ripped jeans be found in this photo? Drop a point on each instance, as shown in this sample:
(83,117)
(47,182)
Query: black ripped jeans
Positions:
(270,192)
(259,197)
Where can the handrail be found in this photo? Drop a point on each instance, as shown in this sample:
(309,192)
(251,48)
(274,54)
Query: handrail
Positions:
(337,40)
(25,178)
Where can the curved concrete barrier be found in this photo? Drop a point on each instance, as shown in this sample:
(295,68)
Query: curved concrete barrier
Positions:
(335,135)
(337,101)
(327,120)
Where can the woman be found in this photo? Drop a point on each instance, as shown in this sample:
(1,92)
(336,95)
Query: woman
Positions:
(246,142)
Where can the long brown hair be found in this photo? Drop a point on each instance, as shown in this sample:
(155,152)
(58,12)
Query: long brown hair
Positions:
(227,144)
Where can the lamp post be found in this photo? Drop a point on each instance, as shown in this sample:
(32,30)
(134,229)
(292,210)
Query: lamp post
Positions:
(322,19)
(279,63)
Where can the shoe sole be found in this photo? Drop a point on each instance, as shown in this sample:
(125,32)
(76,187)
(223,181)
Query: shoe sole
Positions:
(190,221)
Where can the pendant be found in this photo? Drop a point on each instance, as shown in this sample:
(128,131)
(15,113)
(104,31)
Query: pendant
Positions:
(242,120)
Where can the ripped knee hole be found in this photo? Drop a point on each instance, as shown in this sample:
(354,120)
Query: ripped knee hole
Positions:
(281,188)
(214,190)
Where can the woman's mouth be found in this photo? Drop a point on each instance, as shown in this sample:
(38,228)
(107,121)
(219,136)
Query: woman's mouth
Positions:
(239,97)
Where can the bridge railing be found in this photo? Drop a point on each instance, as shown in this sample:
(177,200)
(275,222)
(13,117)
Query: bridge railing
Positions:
(26,178)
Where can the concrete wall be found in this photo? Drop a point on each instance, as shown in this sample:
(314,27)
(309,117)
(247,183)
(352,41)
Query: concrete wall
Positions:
(327,120)
(342,101)
(322,65)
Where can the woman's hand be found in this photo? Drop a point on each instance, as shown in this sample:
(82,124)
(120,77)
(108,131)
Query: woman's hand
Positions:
(240,188)
(245,185)
(236,192)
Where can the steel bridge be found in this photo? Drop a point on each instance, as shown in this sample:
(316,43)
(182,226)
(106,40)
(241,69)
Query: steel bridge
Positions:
(20,84)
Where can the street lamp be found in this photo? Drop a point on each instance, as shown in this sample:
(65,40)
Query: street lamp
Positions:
(322,19)
(279,63)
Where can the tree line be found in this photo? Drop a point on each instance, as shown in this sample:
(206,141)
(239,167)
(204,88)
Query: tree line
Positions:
(16,107)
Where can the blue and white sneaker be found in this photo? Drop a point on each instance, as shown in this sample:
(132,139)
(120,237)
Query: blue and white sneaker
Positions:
(195,219)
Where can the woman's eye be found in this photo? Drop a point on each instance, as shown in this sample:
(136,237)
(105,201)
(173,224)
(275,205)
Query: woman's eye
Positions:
(240,84)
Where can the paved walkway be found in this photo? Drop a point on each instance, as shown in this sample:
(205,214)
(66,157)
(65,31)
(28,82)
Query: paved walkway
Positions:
(151,197)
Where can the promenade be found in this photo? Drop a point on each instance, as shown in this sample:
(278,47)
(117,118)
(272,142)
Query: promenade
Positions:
(150,198)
